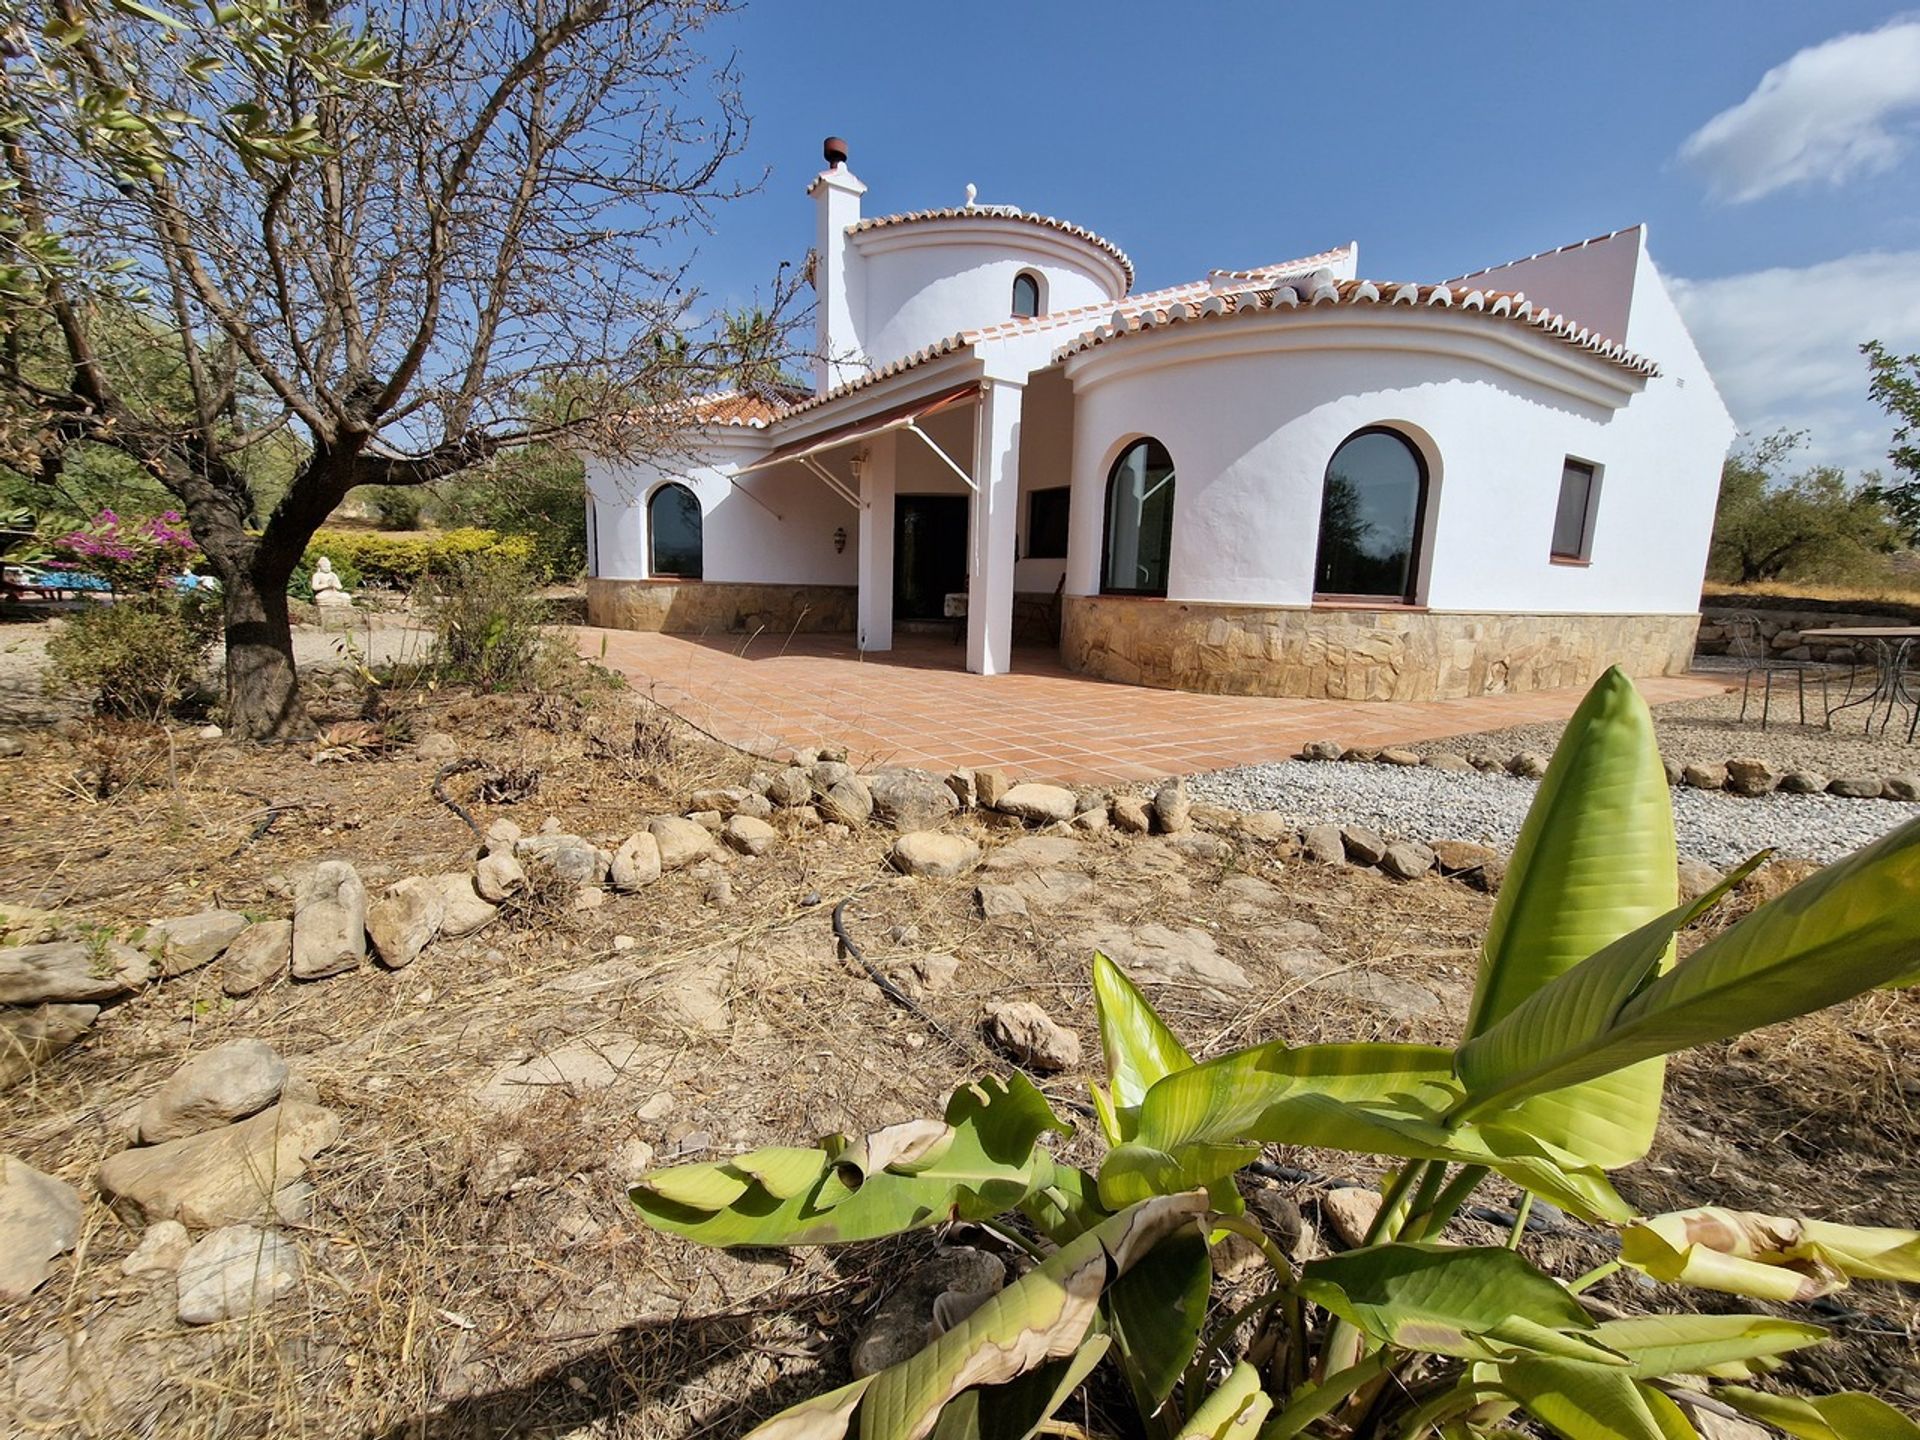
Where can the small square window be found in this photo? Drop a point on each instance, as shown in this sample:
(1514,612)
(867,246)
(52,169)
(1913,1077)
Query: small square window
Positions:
(1573,518)
(1047,523)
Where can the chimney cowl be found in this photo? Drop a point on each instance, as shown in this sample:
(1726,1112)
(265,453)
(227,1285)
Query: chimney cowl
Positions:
(835,150)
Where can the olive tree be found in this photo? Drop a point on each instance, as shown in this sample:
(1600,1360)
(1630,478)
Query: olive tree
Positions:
(379,238)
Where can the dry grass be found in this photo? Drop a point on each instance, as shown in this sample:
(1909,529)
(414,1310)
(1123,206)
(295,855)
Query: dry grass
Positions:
(445,1301)
(1901,589)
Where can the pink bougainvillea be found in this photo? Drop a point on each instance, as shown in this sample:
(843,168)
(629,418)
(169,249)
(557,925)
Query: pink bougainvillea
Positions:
(133,556)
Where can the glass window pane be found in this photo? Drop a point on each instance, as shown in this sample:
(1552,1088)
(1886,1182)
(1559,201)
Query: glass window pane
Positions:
(1370,517)
(673,519)
(1026,295)
(1570,519)
(1139,520)
(1047,512)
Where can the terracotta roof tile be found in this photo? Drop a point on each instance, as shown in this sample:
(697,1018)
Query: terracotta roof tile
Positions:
(998,212)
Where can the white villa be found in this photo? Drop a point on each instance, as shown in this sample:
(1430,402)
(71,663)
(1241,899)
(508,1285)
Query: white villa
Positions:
(1288,480)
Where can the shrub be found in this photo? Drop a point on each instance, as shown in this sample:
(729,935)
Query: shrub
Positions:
(135,557)
(398,506)
(138,658)
(538,494)
(1558,1080)
(403,561)
(488,622)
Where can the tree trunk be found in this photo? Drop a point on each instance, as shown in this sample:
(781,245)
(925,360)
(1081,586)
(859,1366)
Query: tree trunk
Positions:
(263,696)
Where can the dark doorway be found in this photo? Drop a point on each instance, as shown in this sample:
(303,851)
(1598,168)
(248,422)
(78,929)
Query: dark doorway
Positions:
(929,554)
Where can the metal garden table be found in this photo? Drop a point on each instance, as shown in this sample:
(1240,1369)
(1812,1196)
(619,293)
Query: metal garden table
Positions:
(1893,655)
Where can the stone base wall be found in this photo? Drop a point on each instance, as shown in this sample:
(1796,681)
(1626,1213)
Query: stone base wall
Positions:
(1340,654)
(1780,632)
(702,607)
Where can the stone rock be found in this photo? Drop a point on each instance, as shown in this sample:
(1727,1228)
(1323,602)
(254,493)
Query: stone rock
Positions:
(1027,1033)
(1207,849)
(755,807)
(807,757)
(493,1174)
(67,971)
(841,795)
(1803,782)
(1038,804)
(12,747)
(748,835)
(1704,777)
(1160,955)
(966,794)
(1132,814)
(591,1062)
(160,1251)
(235,1271)
(1901,787)
(1407,860)
(1389,995)
(224,1176)
(1351,1210)
(588,897)
(1001,902)
(260,953)
(465,908)
(790,787)
(632,1161)
(725,800)
(1363,846)
(39,1222)
(1749,775)
(1696,878)
(1528,765)
(933,973)
(1091,821)
(931,853)
(574,859)
(1447,760)
(719,892)
(187,942)
(502,834)
(229,1082)
(30,1037)
(329,921)
(680,842)
(436,748)
(1172,811)
(1673,771)
(911,799)
(1725,1427)
(636,864)
(991,786)
(1456,857)
(499,876)
(1324,844)
(1360,754)
(933,1297)
(1486,762)
(707,820)
(1320,750)
(1397,755)
(1267,827)
(1853,787)
(404,920)
(1489,877)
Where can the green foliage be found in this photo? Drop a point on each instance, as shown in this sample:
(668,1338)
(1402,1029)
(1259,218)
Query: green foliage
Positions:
(1894,385)
(1557,1081)
(488,623)
(537,495)
(1812,526)
(398,506)
(138,658)
(403,561)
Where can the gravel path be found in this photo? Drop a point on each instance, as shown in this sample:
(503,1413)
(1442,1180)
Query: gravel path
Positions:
(1424,804)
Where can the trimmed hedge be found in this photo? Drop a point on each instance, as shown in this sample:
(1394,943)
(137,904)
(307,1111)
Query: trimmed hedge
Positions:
(402,561)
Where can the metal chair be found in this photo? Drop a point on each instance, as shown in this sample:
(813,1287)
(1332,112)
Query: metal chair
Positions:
(1750,651)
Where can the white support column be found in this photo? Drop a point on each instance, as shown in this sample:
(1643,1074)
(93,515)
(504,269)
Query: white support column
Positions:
(990,557)
(876,543)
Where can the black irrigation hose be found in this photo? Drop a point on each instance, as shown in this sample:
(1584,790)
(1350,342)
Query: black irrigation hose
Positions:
(455,767)
(892,991)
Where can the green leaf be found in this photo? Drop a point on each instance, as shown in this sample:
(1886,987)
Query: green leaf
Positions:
(1140,1049)
(1043,1317)
(1658,1345)
(1478,1302)
(1846,1416)
(1236,1409)
(1770,1257)
(1017,1410)
(1157,1310)
(1132,1173)
(1843,931)
(1593,1402)
(1595,859)
(984,1160)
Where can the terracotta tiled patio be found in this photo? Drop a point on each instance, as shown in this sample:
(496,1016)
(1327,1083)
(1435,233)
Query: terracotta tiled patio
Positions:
(916,705)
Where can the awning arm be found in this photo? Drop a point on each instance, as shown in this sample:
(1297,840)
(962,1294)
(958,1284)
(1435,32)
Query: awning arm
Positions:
(831,481)
(929,443)
(734,481)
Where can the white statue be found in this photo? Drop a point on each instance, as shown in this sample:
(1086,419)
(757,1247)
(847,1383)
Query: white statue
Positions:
(327,589)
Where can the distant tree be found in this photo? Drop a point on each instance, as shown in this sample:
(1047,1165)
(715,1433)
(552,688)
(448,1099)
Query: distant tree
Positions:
(1894,385)
(1812,526)
(377,234)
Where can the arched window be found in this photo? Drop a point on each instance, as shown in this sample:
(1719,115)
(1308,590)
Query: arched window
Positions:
(673,532)
(1139,521)
(1370,518)
(1026,294)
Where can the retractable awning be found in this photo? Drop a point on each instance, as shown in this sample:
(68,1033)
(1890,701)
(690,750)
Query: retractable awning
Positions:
(900,417)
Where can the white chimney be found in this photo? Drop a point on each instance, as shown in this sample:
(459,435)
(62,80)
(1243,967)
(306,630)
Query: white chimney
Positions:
(837,356)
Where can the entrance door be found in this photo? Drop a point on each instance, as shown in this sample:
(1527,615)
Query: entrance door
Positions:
(929,554)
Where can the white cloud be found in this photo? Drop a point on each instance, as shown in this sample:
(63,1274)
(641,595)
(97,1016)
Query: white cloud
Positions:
(1784,347)
(1831,112)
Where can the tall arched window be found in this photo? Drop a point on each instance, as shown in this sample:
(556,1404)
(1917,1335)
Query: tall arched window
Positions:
(1026,293)
(1370,519)
(1139,521)
(673,532)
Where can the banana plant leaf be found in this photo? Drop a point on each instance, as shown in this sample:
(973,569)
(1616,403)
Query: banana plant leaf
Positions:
(1017,1410)
(1770,1257)
(1157,1309)
(1595,860)
(1044,1317)
(1659,1345)
(985,1159)
(1593,1402)
(1139,1047)
(1843,931)
(1474,1302)
(1846,1416)
(1235,1411)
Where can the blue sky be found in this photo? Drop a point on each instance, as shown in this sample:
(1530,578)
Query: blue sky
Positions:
(1773,149)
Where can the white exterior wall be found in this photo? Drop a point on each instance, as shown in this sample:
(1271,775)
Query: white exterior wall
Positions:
(1046,462)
